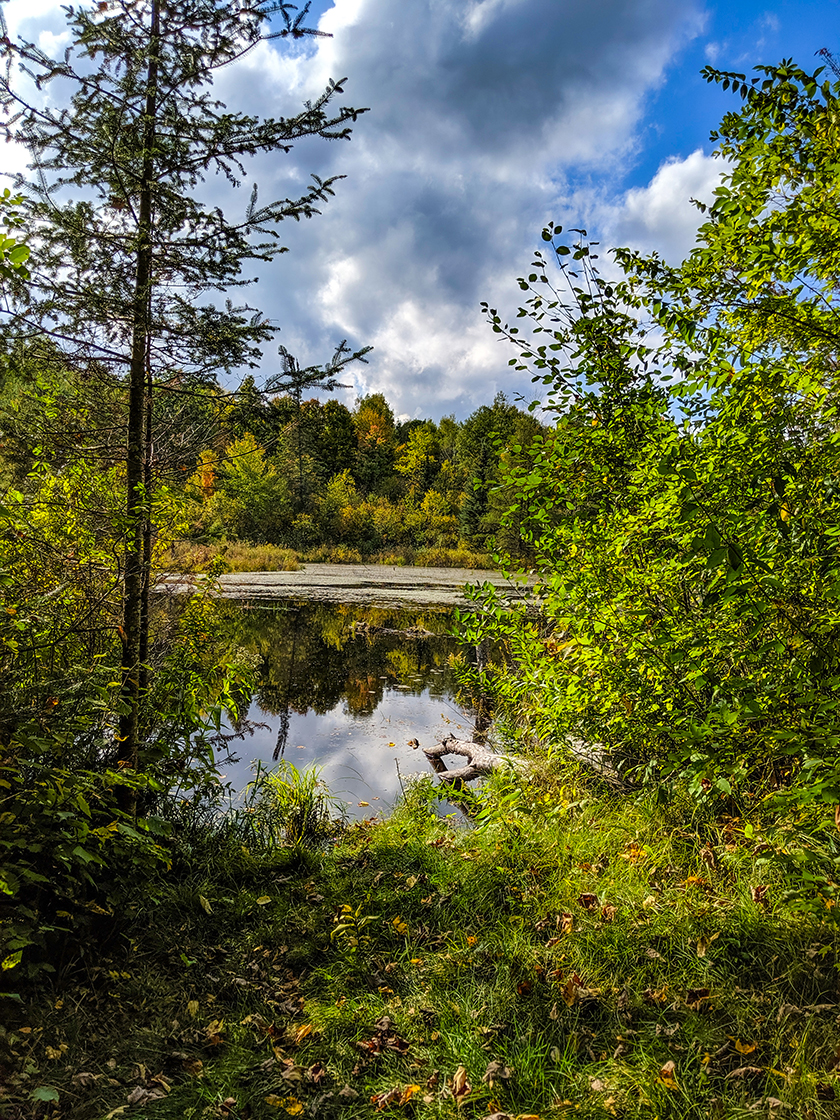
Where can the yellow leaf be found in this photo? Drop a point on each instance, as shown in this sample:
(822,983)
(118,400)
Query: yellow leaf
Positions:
(400,926)
(365,803)
(192,1008)
(408,1092)
(12,961)
(745,1047)
(411,881)
(205,905)
(293,1106)
(302,1032)
(264,900)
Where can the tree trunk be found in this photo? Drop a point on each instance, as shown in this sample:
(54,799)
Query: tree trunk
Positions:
(137,499)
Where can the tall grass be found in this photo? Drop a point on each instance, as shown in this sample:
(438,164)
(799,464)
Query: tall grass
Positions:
(285,807)
(239,556)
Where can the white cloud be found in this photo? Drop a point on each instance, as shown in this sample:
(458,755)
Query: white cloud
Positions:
(661,217)
(481,111)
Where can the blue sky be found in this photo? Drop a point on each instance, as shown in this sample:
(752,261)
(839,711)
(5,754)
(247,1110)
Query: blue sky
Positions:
(488,118)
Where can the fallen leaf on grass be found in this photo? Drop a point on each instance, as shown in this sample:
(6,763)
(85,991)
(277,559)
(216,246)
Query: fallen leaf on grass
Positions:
(398,1096)
(264,900)
(667,1076)
(302,1032)
(496,1071)
(565,923)
(85,1080)
(571,988)
(554,1013)
(745,1047)
(655,995)
(759,895)
(588,901)
(291,1104)
(214,1032)
(704,943)
(205,905)
(695,996)
(460,1086)
(744,1073)
(608,913)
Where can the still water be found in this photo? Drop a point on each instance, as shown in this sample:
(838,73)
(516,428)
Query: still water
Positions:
(336,690)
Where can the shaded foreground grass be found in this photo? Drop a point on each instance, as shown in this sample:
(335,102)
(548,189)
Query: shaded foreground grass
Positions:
(569,955)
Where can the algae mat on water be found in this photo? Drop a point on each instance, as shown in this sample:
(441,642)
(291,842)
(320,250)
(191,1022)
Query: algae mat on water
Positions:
(369,584)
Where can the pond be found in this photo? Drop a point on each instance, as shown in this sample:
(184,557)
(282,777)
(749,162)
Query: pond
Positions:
(339,689)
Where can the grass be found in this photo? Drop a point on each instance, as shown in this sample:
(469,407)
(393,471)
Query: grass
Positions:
(571,954)
(239,556)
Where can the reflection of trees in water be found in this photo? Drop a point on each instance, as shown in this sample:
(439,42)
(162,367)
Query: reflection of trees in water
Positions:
(310,659)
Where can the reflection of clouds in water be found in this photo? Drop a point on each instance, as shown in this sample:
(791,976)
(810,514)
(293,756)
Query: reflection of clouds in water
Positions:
(358,764)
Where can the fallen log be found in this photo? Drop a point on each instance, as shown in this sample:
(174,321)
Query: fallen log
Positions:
(480,760)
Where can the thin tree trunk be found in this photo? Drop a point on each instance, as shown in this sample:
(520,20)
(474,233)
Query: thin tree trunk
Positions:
(147,540)
(138,434)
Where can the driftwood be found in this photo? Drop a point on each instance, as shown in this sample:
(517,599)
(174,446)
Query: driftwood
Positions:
(480,760)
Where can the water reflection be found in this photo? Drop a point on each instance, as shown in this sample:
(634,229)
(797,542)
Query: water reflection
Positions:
(345,688)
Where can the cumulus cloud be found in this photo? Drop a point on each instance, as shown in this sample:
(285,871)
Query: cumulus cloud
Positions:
(482,111)
(661,216)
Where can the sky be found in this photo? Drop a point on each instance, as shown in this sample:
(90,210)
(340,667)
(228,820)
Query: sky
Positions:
(487,119)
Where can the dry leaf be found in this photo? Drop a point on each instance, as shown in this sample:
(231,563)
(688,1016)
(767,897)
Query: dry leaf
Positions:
(759,895)
(571,988)
(554,1013)
(704,943)
(302,1032)
(460,1086)
(496,1071)
(744,1073)
(192,1008)
(696,995)
(667,1076)
(205,905)
(264,900)
(566,923)
(607,913)
(588,901)
(745,1047)
(214,1032)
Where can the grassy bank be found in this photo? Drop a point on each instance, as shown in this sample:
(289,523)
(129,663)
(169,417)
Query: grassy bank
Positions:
(238,556)
(571,954)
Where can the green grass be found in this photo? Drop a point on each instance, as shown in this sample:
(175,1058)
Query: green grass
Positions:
(568,947)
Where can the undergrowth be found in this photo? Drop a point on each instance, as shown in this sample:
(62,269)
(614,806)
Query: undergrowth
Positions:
(569,953)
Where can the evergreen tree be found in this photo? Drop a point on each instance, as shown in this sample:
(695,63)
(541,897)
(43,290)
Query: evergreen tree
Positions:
(123,260)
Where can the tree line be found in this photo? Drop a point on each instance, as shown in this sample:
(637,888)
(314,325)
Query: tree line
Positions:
(308,473)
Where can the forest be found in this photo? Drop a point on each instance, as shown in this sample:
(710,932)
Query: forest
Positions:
(639,916)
